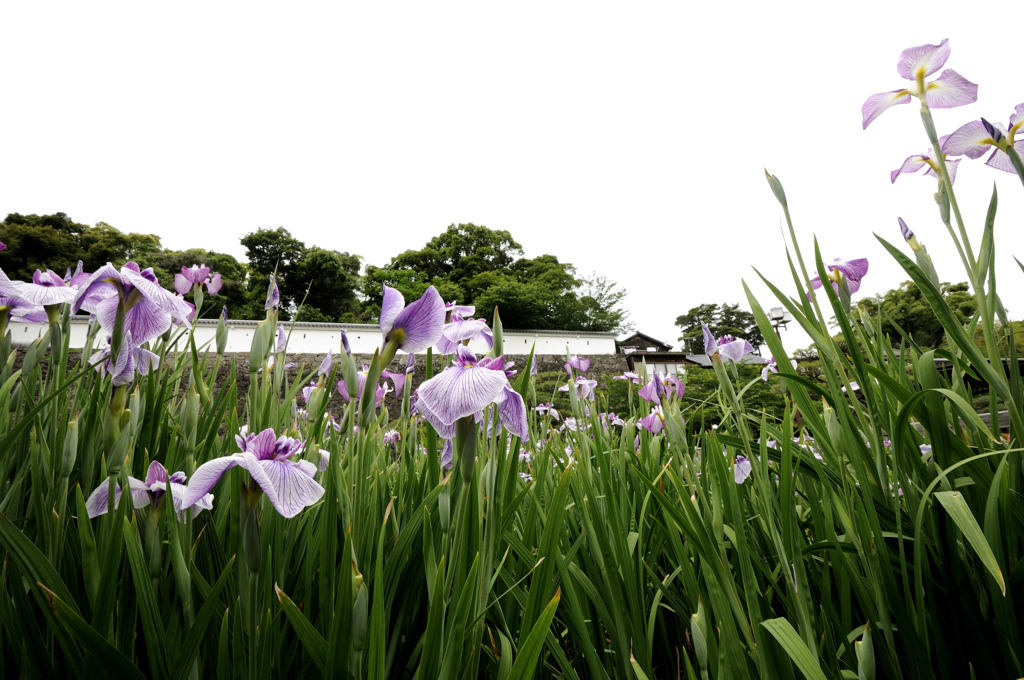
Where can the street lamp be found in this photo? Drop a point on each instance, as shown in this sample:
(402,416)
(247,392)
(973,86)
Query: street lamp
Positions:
(780,317)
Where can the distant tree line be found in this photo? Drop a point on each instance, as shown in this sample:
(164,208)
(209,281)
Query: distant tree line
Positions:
(467,263)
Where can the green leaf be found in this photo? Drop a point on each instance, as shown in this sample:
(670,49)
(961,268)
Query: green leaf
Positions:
(149,610)
(529,650)
(102,651)
(186,653)
(784,633)
(956,506)
(312,641)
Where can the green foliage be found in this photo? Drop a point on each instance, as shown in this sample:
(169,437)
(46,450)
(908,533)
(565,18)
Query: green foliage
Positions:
(906,308)
(722,319)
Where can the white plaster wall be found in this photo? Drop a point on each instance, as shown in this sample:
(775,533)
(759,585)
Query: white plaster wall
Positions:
(317,338)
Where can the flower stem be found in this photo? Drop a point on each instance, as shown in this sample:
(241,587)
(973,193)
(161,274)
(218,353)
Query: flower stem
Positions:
(933,138)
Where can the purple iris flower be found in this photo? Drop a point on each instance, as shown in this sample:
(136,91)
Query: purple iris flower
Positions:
(853,271)
(76,278)
(273,302)
(415,327)
(928,158)
(131,359)
(581,364)
(917,63)
(654,390)
(975,138)
(361,376)
(770,367)
(325,365)
(467,387)
(148,492)
(197,275)
(288,483)
(726,346)
(653,423)
(628,375)
(149,310)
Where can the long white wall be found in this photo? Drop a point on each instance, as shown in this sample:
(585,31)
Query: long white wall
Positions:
(317,338)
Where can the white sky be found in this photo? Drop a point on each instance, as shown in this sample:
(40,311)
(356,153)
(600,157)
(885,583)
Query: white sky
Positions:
(627,139)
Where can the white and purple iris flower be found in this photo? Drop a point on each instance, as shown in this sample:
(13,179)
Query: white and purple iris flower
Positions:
(726,346)
(741,469)
(549,409)
(47,288)
(149,310)
(398,379)
(197,276)
(148,492)
(462,328)
(269,459)
(361,376)
(584,387)
(130,359)
(928,158)
(950,89)
(415,327)
(851,271)
(628,375)
(466,388)
(975,138)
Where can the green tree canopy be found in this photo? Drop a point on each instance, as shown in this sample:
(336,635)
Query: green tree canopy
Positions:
(722,319)
(484,267)
(57,242)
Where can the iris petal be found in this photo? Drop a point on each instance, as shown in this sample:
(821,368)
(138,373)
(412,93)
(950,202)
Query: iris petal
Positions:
(392,305)
(293,485)
(876,104)
(926,58)
(949,90)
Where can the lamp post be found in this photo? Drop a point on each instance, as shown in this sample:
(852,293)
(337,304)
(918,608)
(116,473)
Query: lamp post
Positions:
(780,317)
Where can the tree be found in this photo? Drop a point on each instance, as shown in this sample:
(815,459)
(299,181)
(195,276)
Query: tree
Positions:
(724,319)
(331,279)
(39,242)
(270,250)
(905,307)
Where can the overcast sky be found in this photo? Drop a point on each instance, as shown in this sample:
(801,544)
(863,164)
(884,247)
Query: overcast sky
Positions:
(628,139)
